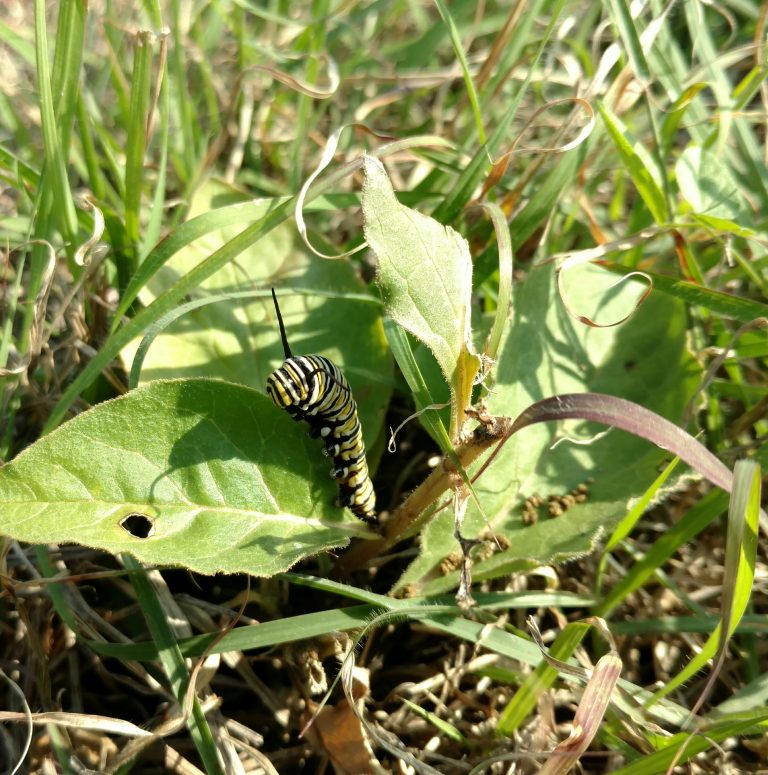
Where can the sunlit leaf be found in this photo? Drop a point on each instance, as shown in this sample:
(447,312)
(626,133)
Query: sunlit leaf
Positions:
(639,164)
(425,274)
(546,352)
(193,465)
(706,181)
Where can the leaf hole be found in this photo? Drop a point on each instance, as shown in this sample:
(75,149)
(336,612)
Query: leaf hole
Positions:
(138,525)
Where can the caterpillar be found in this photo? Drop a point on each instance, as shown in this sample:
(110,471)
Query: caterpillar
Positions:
(312,388)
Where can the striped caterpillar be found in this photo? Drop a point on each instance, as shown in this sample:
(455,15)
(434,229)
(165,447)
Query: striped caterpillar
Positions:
(312,388)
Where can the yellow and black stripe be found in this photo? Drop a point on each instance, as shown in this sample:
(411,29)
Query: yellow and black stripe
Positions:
(312,388)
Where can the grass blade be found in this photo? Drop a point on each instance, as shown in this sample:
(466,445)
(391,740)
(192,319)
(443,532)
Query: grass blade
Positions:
(134,153)
(741,550)
(638,163)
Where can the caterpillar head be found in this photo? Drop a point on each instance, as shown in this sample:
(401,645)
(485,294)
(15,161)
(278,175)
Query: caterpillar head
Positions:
(285,389)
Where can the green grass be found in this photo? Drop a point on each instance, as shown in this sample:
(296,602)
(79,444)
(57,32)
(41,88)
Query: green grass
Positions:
(192,128)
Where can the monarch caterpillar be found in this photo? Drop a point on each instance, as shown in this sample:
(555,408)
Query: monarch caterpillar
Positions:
(312,388)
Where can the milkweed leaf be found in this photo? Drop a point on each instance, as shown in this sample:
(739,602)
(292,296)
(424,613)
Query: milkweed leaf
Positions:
(425,273)
(198,473)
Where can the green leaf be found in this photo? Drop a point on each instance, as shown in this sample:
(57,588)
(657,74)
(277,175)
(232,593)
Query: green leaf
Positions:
(459,190)
(192,229)
(639,165)
(425,273)
(540,680)
(443,727)
(681,748)
(163,304)
(56,180)
(137,139)
(675,115)
(458,49)
(551,187)
(413,372)
(627,27)
(707,183)
(228,482)
(726,304)
(161,627)
(741,548)
(696,519)
(547,352)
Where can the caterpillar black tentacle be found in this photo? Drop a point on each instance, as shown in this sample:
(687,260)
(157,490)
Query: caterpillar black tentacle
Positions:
(312,388)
